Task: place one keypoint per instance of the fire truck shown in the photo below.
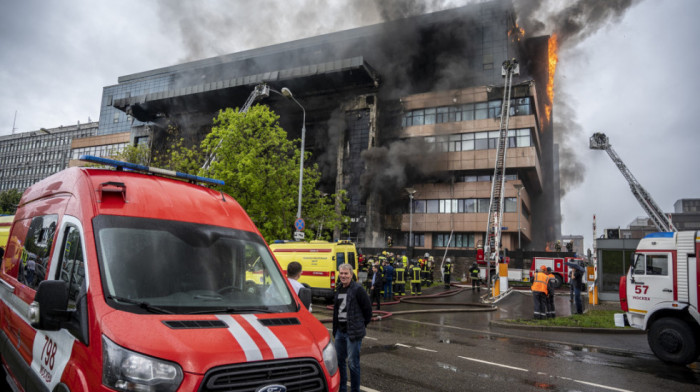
(660, 294)
(559, 267)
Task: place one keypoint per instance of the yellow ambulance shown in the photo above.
(319, 261)
(5, 224)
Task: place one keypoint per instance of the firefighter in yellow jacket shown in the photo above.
(415, 280)
(540, 288)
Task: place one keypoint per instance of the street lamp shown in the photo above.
(411, 192)
(287, 93)
(518, 209)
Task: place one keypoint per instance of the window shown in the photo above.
(495, 109)
(467, 141)
(443, 114)
(481, 111)
(510, 204)
(418, 239)
(419, 206)
(433, 206)
(455, 143)
(429, 116)
(657, 265)
(483, 205)
(72, 269)
(37, 247)
(481, 140)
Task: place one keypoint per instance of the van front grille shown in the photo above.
(297, 375)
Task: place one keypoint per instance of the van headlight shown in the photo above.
(330, 359)
(125, 370)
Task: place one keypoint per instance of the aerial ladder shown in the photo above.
(260, 91)
(662, 222)
(496, 203)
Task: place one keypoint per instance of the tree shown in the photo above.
(135, 154)
(9, 200)
(260, 168)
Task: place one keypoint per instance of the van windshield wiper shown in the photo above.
(141, 304)
(234, 310)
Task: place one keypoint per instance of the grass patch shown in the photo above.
(592, 319)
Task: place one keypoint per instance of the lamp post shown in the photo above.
(411, 192)
(287, 93)
(518, 209)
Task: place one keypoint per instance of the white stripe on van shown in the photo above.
(251, 350)
(277, 347)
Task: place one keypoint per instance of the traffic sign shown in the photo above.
(299, 224)
(298, 235)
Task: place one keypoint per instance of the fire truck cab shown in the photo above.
(660, 294)
(116, 280)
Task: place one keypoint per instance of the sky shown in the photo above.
(633, 78)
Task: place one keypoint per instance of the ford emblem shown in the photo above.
(272, 388)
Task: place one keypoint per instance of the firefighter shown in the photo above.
(539, 293)
(404, 261)
(415, 280)
(474, 274)
(557, 246)
(388, 281)
(550, 295)
(447, 270)
(400, 272)
(570, 246)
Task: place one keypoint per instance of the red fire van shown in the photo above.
(116, 280)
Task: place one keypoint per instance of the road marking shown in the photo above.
(425, 349)
(493, 363)
(402, 345)
(370, 338)
(601, 386)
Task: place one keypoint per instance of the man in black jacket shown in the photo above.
(351, 314)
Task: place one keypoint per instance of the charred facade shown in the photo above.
(407, 103)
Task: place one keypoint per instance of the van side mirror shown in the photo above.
(305, 296)
(50, 306)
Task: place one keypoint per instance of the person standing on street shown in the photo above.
(388, 282)
(351, 314)
(375, 288)
(474, 275)
(551, 313)
(293, 275)
(577, 282)
(447, 270)
(539, 293)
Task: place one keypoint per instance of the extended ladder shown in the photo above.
(493, 229)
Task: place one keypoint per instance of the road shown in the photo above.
(450, 351)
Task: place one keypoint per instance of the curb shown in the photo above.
(547, 328)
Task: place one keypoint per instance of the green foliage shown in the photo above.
(260, 167)
(135, 154)
(592, 319)
(9, 200)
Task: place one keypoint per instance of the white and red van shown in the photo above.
(116, 280)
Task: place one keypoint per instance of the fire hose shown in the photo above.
(378, 315)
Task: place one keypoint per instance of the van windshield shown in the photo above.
(150, 265)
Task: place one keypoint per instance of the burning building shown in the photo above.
(410, 103)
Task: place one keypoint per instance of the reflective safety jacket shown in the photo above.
(415, 274)
(448, 268)
(400, 275)
(540, 282)
(474, 272)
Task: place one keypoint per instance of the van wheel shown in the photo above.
(672, 340)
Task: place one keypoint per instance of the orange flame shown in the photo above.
(516, 33)
(553, 59)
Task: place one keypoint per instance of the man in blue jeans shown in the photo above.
(351, 314)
